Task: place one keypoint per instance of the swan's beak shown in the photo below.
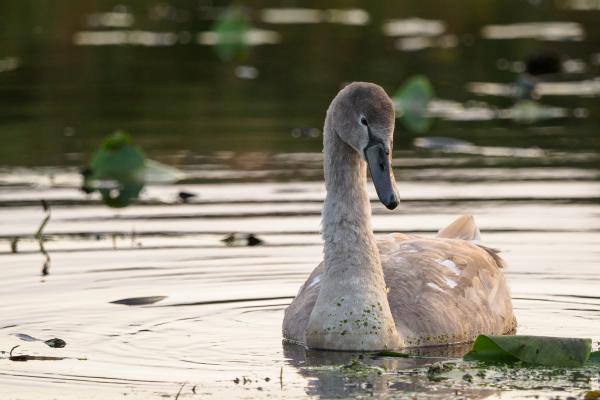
(380, 166)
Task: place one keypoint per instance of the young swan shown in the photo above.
(401, 291)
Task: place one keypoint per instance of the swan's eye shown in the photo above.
(363, 121)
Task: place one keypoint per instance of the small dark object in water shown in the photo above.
(86, 173)
(467, 378)
(236, 380)
(56, 343)
(253, 240)
(229, 240)
(26, 357)
(234, 239)
(13, 245)
(543, 63)
(139, 301)
(185, 196)
(46, 269)
(438, 368)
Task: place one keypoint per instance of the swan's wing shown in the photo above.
(463, 228)
(298, 312)
(445, 290)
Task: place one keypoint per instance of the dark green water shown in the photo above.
(181, 98)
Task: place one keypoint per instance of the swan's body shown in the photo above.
(399, 291)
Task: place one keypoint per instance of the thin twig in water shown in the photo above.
(180, 389)
(281, 377)
(13, 245)
(39, 235)
(11, 350)
(46, 207)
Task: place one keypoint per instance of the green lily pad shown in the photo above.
(117, 158)
(536, 350)
(594, 358)
(123, 194)
(119, 170)
(411, 102)
(231, 29)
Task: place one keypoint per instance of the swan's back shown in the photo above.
(445, 290)
(441, 290)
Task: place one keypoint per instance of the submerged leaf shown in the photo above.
(411, 101)
(537, 350)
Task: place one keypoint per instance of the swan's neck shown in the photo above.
(347, 231)
(352, 311)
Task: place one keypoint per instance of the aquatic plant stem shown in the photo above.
(39, 236)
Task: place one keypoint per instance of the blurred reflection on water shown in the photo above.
(188, 284)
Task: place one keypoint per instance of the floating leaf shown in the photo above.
(119, 170)
(411, 101)
(538, 350)
(594, 357)
(117, 158)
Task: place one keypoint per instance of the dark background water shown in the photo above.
(182, 100)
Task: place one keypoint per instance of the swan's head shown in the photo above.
(362, 115)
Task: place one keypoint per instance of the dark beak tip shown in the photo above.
(392, 204)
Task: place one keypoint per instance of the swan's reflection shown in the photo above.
(330, 376)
